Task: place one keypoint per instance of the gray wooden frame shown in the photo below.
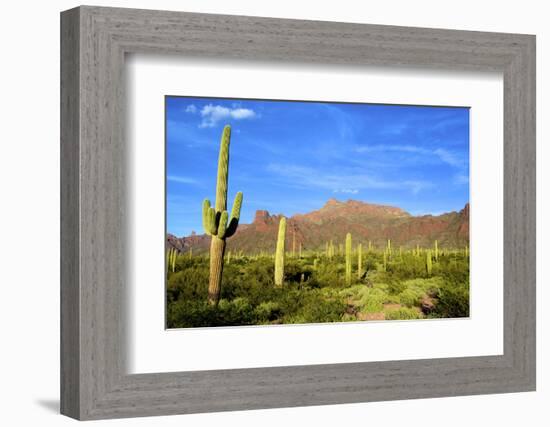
(94, 41)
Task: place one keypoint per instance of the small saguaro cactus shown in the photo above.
(359, 260)
(168, 259)
(280, 254)
(171, 260)
(436, 251)
(348, 258)
(293, 242)
(429, 262)
(217, 222)
(174, 257)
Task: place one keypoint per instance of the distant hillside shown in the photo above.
(364, 221)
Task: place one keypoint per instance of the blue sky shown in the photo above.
(291, 157)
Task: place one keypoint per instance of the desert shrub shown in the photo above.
(372, 300)
(190, 313)
(188, 283)
(410, 297)
(453, 300)
(330, 274)
(407, 267)
(367, 300)
(428, 286)
(395, 286)
(235, 312)
(402, 313)
(185, 314)
(267, 312)
(349, 318)
(317, 310)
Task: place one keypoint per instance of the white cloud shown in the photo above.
(181, 179)
(191, 109)
(212, 114)
(347, 190)
(301, 176)
(444, 156)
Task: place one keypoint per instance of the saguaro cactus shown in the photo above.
(359, 260)
(348, 259)
(171, 260)
(280, 254)
(429, 262)
(436, 251)
(217, 222)
(293, 242)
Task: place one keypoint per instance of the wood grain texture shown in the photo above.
(94, 382)
(70, 220)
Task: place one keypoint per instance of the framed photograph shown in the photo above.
(261, 213)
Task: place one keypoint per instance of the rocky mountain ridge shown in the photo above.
(365, 221)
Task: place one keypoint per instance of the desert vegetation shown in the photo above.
(318, 286)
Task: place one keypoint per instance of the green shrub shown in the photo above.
(453, 300)
(410, 297)
(267, 312)
(402, 313)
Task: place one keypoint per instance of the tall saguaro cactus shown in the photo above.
(217, 222)
(280, 254)
(436, 251)
(348, 259)
(359, 261)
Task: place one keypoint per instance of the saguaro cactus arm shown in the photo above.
(208, 218)
(235, 215)
(222, 227)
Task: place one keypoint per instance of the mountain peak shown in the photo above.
(350, 206)
(332, 202)
(261, 216)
